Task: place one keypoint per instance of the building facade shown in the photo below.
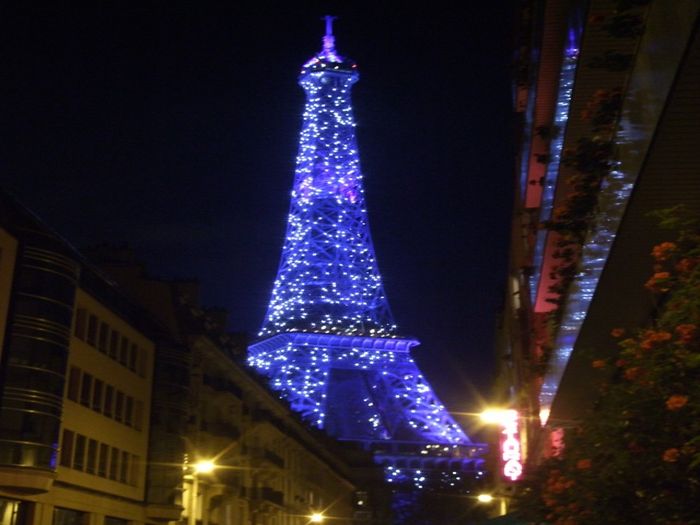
(269, 467)
(606, 99)
(76, 385)
(112, 395)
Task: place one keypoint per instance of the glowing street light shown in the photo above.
(317, 517)
(206, 466)
(490, 498)
(495, 415)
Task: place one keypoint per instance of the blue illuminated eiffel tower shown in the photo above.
(330, 345)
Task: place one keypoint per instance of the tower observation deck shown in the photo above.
(329, 344)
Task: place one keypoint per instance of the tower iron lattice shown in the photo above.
(329, 344)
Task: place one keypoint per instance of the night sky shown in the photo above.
(174, 129)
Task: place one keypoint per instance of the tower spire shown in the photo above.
(329, 40)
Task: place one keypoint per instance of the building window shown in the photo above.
(73, 384)
(79, 458)
(69, 517)
(97, 390)
(135, 466)
(67, 448)
(129, 411)
(13, 512)
(109, 400)
(109, 341)
(114, 344)
(80, 323)
(138, 414)
(92, 330)
(86, 390)
(91, 457)
(113, 463)
(133, 357)
(119, 406)
(109, 520)
(124, 470)
(104, 459)
(104, 336)
(123, 351)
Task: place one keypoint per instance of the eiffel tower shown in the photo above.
(329, 344)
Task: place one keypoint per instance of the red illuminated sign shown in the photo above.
(510, 446)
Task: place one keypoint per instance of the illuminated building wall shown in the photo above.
(75, 386)
(619, 87)
(330, 346)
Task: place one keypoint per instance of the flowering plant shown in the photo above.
(636, 458)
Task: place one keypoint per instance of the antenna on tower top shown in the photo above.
(329, 39)
(329, 24)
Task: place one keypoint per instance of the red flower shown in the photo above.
(583, 464)
(620, 363)
(659, 282)
(652, 337)
(685, 265)
(633, 373)
(663, 251)
(676, 402)
(686, 332)
(671, 455)
(617, 332)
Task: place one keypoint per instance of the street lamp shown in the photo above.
(495, 415)
(204, 467)
(488, 498)
(317, 517)
(201, 467)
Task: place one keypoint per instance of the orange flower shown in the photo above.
(663, 251)
(598, 363)
(583, 464)
(676, 402)
(617, 332)
(658, 282)
(671, 455)
(633, 373)
(686, 332)
(685, 265)
(652, 337)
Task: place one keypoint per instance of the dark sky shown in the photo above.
(175, 129)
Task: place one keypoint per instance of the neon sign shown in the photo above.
(510, 446)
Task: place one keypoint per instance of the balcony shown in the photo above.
(262, 456)
(263, 495)
(220, 429)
